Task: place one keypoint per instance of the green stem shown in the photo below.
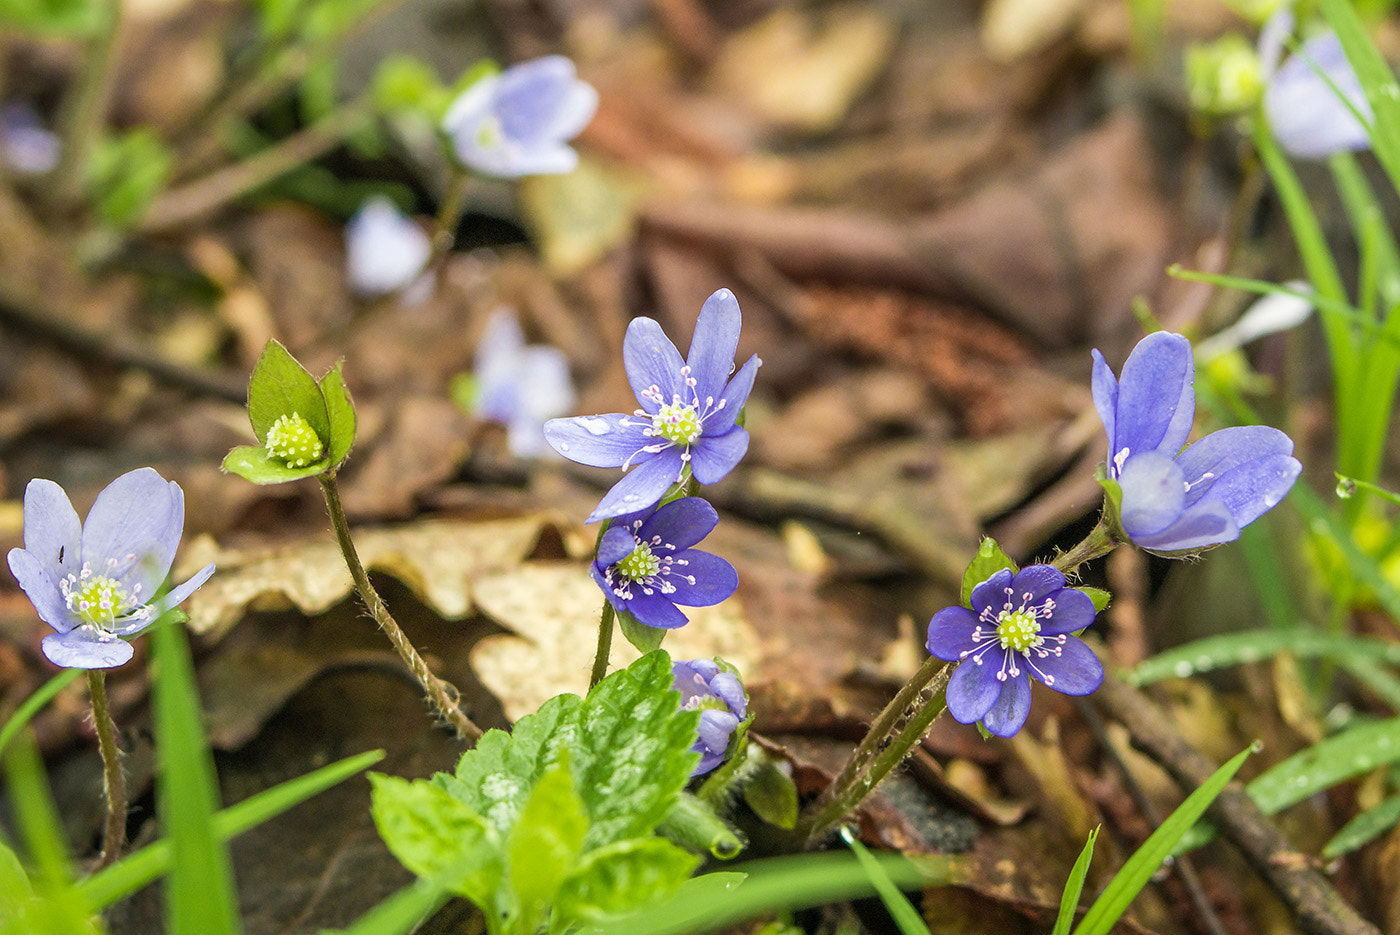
(206, 195)
(605, 635)
(441, 694)
(893, 734)
(454, 202)
(1100, 541)
(113, 782)
(86, 107)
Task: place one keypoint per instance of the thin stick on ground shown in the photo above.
(113, 782)
(442, 695)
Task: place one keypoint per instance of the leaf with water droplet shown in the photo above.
(1335, 760)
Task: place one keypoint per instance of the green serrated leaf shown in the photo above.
(495, 778)
(280, 386)
(438, 837)
(543, 847)
(633, 750)
(622, 877)
(989, 560)
(252, 463)
(1099, 596)
(340, 414)
(1364, 828)
(771, 793)
(646, 639)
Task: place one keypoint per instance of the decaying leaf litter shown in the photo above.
(929, 216)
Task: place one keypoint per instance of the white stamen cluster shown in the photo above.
(1016, 630)
(98, 599)
(676, 422)
(649, 567)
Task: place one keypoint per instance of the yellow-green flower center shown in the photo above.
(640, 564)
(1018, 630)
(98, 601)
(677, 422)
(293, 441)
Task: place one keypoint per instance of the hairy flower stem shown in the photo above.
(605, 635)
(113, 782)
(893, 734)
(1098, 543)
(441, 694)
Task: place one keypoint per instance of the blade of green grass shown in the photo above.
(1129, 881)
(400, 913)
(905, 916)
(1362, 567)
(142, 867)
(34, 704)
(775, 884)
(199, 897)
(1364, 828)
(1074, 886)
(1341, 757)
(58, 910)
(1232, 649)
(1377, 81)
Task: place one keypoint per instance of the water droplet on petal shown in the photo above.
(563, 446)
(595, 425)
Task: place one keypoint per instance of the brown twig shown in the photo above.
(118, 350)
(1318, 907)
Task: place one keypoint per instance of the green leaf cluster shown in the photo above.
(553, 826)
(281, 387)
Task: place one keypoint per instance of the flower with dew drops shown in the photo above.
(1310, 117)
(1019, 626)
(646, 566)
(719, 697)
(687, 415)
(95, 582)
(1176, 502)
(519, 122)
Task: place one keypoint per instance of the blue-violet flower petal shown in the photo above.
(96, 583)
(1019, 626)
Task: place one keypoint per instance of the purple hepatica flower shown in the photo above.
(519, 386)
(95, 582)
(720, 698)
(26, 145)
(646, 566)
(1178, 502)
(687, 415)
(1018, 627)
(519, 122)
(385, 251)
(1305, 113)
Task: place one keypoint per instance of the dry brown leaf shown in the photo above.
(800, 78)
(439, 560)
(554, 608)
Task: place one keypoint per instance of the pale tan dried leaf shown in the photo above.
(437, 559)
